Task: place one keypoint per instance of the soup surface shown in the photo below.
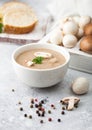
(33, 60)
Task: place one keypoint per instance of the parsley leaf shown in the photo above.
(1, 27)
(38, 60)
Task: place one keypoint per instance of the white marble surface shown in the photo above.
(10, 116)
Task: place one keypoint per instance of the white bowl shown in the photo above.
(44, 77)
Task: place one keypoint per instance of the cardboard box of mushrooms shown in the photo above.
(75, 34)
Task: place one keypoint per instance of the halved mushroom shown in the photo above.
(70, 101)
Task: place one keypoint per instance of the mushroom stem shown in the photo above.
(70, 104)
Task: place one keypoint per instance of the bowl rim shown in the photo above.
(32, 44)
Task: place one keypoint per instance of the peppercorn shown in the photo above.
(36, 105)
(19, 102)
(32, 101)
(41, 121)
(62, 112)
(49, 111)
(25, 115)
(39, 114)
(31, 106)
(63, 108)
(59, 120)
(37, 111)
(43, 114)
(49, 119)
(42, 101)
(42, 109)
(36, 100)
(40, 104)
(52, 105)
(39, 108)
(30, 116)
(13, 90)
(21, 108)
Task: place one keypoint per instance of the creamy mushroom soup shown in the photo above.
(40, 59)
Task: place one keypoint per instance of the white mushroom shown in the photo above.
(70, 101)
(53, 60)
(84, 20)
(69, 41)
(76, 19)
(29, 63)
(63, 21)
(80, 32)
(80, 85)
(43, 54)
(70, 27)
(56, 37)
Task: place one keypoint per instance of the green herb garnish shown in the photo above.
(38, 60)
(1, 27)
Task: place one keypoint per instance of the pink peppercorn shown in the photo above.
(49, 119)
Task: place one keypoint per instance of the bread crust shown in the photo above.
(19, 30)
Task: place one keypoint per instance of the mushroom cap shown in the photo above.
(70, 27)
(76, 19)
(66, 99)
(80, 85)
(56, 37)
(84, 20)
(86, 44)
(88, 29)
(80, 33)
(69, 41)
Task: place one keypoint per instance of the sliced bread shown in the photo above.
(19, 21)
(18, 18)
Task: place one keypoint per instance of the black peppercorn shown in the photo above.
(19, 102)
(39, 114)
(62, 112)
(42, 101)
(21, 108)
(25, 115)
(13, 90)
(32, 101)
(63, 108)
(41, 121)
(49, 111)
(30, 116)
(43, 114)
(31, 106)
(59, 120)
(36, 105)
(37, 111)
